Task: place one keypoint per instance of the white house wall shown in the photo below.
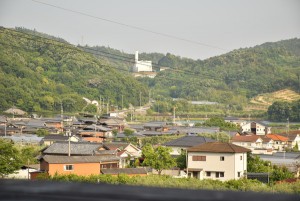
(230, 166)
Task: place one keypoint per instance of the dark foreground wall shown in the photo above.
(54, 191)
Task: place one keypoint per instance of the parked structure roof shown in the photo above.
(77, 148)
(188, 141)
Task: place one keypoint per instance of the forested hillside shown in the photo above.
(39, 73)
(232, 78)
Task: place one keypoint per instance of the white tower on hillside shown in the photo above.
(141, 66)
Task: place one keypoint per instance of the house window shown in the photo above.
(241, 157)
(68, 167)
(208, 174)
(222, 158)
(239, 174)
(199, 158)
(109, 165)
(219, 174)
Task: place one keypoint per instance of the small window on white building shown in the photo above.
(68, 167)
(239, 174)
(222, 158)
(219, 174)
(241, 157)
(208, 174)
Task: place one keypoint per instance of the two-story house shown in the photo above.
(217, 160)
(256, 128)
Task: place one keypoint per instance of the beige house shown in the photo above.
(217, 160)
(257, 144)
(293, 138)
(256, 128)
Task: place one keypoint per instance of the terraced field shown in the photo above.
(263, 101)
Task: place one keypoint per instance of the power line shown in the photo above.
(131, 26)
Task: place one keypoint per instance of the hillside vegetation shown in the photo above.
(231, 79)
(38, 74)
(263, 101)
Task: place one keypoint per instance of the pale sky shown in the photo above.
(208, 27)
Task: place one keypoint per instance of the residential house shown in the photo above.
(120, 146)
(52, 138)
(113, 123)
(293, 138)
(256, 128)
(181, 144)
(280, 142)
(156, 126)
(3, 121)
(79, 165)
(236, 121)
(217, 160)
(75, 148)
(56, 123)
(15, 111)
(24, 172)
(91, 132)
(126, 151)
(257, 144)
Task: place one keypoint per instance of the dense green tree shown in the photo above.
(220, 122)
(42, 132)
(9, 158)
(91, 108)
(284, 111)
(181, 160)
(158, 158)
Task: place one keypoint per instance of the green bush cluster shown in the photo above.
(184, 183)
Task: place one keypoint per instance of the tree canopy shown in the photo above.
(10, 160)
(158, 158)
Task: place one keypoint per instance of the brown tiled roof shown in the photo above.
(124, 171)
(79, 159)
(218, 147)
(245, 138)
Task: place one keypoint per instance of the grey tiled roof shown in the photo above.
(56, 137)
(25, 138)
(77, 148)
(79, 159)
(124, 171)
(188, 141)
